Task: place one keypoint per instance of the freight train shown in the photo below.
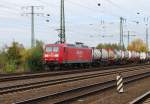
(65, 55)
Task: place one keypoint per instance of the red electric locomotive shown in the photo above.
(67, 54)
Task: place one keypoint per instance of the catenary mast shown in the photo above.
(62, 34)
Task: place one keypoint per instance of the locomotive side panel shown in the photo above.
(77, 55)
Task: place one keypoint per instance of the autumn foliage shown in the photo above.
(111, 46)
(16, 58)
(138, 45)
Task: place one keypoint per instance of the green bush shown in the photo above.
(34, 58)
(10, 67)
(3, 59)
(14, 52)
(18, 59)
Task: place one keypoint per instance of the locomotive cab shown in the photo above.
(51, 54)
(59, 55)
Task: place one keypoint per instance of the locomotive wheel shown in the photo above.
(46, 68)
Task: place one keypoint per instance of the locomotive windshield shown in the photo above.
(52, 49)
(55, 49)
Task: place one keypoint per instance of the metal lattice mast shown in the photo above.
(146, 20)
(147, 37)
(128, 36)
(121, 32)
(62, 23)
(32, 27)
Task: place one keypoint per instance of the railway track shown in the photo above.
(27, 86)
(11, 77)
(99, 85)
(143, 99)
(72, 94)
(147, 101)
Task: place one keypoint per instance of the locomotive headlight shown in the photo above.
(46, 55)
(56, 55)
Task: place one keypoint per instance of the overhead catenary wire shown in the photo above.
(9, 6)
(114, 4)
(8, 9)
(74, 3)
(48, 3)
(96, 10)
(86, 7)
(89, 8)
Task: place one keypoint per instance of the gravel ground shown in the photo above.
(132, 91)
(9, 98)
(17, 96)
(33, 80)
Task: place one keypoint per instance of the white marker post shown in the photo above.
(120, 83)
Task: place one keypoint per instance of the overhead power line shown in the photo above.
(32, 13)
(9, 7)
(93, 10)
(46, 3)
(84, 6)
(114, 4)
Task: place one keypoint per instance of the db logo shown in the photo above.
(79, 52)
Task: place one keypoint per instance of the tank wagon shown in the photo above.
(80, 55)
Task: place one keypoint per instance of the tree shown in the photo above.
(14, 52)
(138, 45)
(112, 46)
(11, 57)
(16, 58)
(34, 57)
(3, 59)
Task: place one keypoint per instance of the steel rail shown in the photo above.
(38, 75)
(67, 95)
(141, 98)
(28, 86)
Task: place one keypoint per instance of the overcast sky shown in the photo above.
(83, 20)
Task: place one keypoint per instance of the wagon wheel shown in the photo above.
(46, 68)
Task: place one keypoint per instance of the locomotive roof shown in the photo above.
(69, 45)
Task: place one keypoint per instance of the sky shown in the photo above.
(83, 20)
